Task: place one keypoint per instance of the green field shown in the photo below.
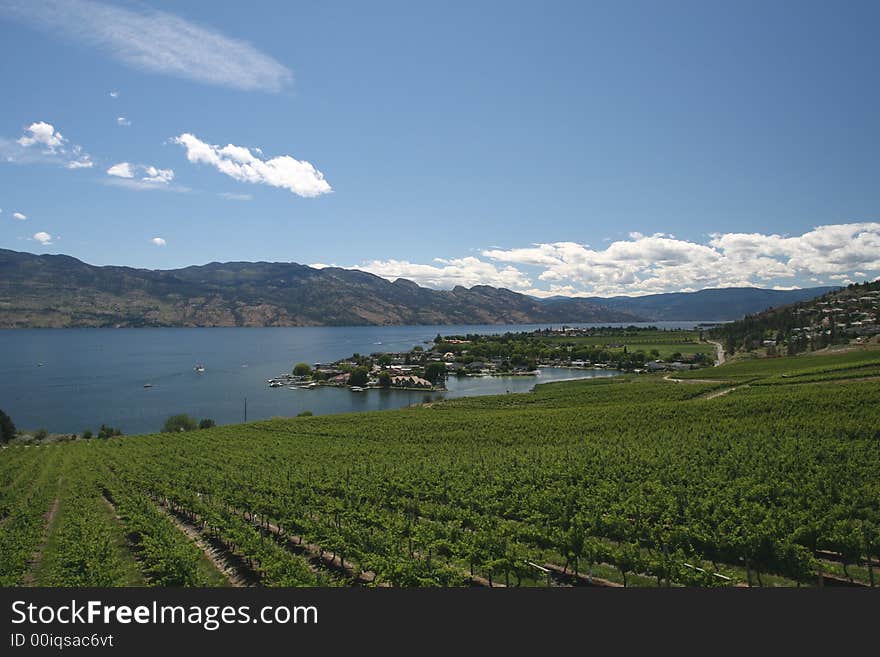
(847, 363)
(666, 342)
(636, 479)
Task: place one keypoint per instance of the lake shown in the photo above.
(69, 380)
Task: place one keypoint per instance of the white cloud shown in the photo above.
(154, 175)
(155, 41)
(42, 133)
(158, 241)
(121, 120)
(85, 163)
(447, 273)
(229, 196)
(19, 216)
(142, 177)
(43, 238)
(660, 263)
(41, 142)
(121, 170)
(648, 264)
(114, 94)
(238, 162)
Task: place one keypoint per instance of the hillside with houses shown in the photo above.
(840, 317)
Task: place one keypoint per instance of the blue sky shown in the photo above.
(552, 148)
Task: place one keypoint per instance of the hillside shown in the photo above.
(712, 304)
(833, 318)
(61, 291)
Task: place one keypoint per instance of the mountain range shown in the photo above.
(719, 304)
(61, 291)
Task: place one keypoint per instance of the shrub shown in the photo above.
(7, 428)
(108, 432)
(181, 422)
(305, 414)
(359, 377)
(206, 423)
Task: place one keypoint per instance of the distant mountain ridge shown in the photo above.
(714, 304)
(61, 291)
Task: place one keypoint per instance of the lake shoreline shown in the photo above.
(91, 377)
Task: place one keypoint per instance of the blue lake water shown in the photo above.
(94, 376)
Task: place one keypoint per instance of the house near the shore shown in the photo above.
(410, 382)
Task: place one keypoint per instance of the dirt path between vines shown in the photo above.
(327, 559)
(670, 378)
(216, 556)
(722, 392)
(37, 557)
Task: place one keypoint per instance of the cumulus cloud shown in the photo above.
(142, 177)
(42, 133)
(240, 163)
(154, 41)
(661, 263)
(19, 216)
(41, 142)
(229, 196)
(154, 175)
(447, 273)
(158, 241)
(121, 170)
(114, 94)
(649, 264)
(121, 120)
(43, 238)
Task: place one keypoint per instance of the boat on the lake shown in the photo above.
(148, 385)
(199, 368)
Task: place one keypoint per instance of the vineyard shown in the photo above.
(631, 481)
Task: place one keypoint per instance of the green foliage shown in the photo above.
(206, 423)
(305, 414)
(7, 428)
(87, 434)
(360, 376)
(384, 379)
(180, 422)
(41, 434)
(302, 369)
(435, 372)
(108, 432)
